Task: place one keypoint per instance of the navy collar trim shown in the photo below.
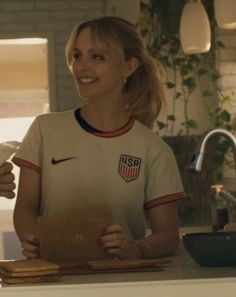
(88, 128)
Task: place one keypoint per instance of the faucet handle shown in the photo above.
(218, 188)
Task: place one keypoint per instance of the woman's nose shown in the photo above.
(83, 63)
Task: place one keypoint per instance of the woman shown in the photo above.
(7, 184)
(105, 151)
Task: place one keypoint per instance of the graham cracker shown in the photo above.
(28, 265)
(31, 280)
(127, 264)
(73, 236)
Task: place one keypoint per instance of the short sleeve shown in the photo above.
(163, 183)
(30, 152)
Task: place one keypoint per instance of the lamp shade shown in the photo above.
(195, 31)
(225, 13)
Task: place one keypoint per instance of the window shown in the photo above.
(23, 89)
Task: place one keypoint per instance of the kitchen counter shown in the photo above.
(183, 277)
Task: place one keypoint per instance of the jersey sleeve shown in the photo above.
(164, 183)
(30, 152)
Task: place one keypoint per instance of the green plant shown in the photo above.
(159, 27)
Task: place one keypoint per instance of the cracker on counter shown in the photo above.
(127, 264)
(7, 273)
(28, 265)
(31, 280)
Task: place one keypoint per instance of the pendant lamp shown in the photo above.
(225, 13)
(195, 31)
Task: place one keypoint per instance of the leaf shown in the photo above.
(144, 32)
(220, 44)
(190, 83)
(178, 94)
(225, 100)
(161, 125)
(184, 71)
(174, 50)
(178, 61)
(215, 76)
(165, 60)
(193, 59)
(201, 71)
(191, 124)
(163, 39)
(207, 93)
(219, 159)
(170, 85)
(225, 116)
(171, 117)
(188, 66)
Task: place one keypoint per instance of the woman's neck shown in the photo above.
(105, 118)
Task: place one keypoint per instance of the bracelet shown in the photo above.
(144, 248)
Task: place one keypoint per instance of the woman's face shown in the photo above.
(96, 73)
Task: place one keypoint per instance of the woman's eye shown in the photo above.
(98, 57)
(75, 55)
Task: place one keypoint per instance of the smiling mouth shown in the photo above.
(87, 80)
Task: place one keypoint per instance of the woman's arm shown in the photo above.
(163, 240)
(26, 211)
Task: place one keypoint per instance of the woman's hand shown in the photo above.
(30, 247)
(7, 184)
(116, 242)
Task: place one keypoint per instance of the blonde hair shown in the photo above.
(144, 88)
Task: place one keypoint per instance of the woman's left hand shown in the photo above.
(116, 242)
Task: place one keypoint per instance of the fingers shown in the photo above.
(7, 184)
(114, 240)
(6, 168)
(113, 229)
(30, 247)
(7, 194)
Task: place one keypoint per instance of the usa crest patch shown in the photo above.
(129, 167)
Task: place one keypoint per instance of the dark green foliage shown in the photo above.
(163, 42)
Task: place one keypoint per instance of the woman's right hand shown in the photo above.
(30, 247)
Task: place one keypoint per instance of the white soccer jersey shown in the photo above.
(128, 170)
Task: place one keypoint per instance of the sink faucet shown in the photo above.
(197, 167)
(198, 158)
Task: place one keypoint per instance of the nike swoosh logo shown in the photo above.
(54, 162)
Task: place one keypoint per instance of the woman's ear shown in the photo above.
(131, 66)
